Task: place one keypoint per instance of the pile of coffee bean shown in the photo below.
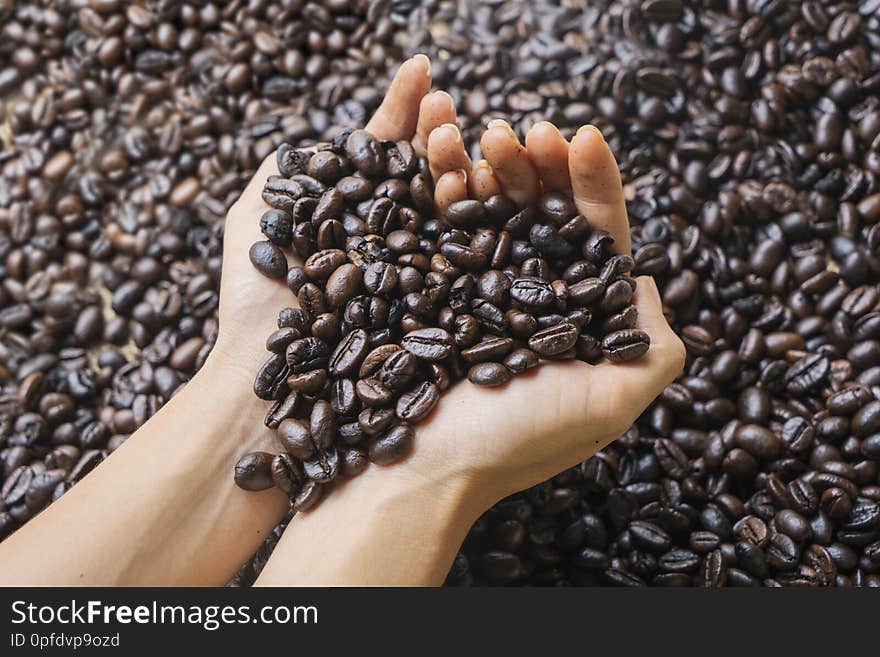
(396, 304)
(747, 135)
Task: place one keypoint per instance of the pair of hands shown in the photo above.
(549, 419)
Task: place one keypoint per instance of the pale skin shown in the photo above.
(163, 510)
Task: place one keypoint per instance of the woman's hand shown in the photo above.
(249, 302)
(502, 440)
(163, 508)
(403, 524)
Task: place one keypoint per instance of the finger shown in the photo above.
(435, 109)
(450, 187)
(482, 183)
(446, 151)
(510, 162)
(549, 153)
(595, 181)
(398, 115)
(643, 379)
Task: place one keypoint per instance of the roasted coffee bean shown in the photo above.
(349, 353)
(554, 340)
(365, 153)
(807, 374)
(489, 349)
(271, 381)
(286, 475)
(397, 369)
(489, 374)
(532, 292)
(649, 536)
(428, 344)
(277, 226)
(372, 392)
(268, 259)
(392, 446)
(307, 354)
(323, 466)
(625, 345)
(758, 441)
(463, 214)
(254, 471)
(416, 404)
(374, 421)
(520, 360)
(296, 438)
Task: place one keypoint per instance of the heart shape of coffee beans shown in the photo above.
(396, 304)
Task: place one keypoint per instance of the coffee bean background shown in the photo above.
(748, 134)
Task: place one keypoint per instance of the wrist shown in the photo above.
(385, 527)
(446, 504)
(221, 393)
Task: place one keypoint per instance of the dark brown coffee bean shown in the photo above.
(365, 153)
(490, 349)
(268, 259)
(254, 471)
(489, 374)
(286, 475)
(626, 345)
(415, 405)
(428, 344)
(521, 360)
(464, 214)
(349, 354)
(532, 292)
(554, 340)
(392, 446)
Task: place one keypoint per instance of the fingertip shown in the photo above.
(482, 182)
(424, 61)
(444, 95)
(417, 67)
(589, 150)
(497, 136)
(449, 188)
(441, 138)
(543, 130)
(591, 130)
(453, 131)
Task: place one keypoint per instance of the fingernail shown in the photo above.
(454, 130)
(499, 123)
(424, 59)
(483, 164)
(585, 128)
(547, 124)
(463, 174)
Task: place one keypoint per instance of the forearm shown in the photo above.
(162, 509)
(382, 528)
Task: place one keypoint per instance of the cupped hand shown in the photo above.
(249, 302)
(544, 421)
(556, 415)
